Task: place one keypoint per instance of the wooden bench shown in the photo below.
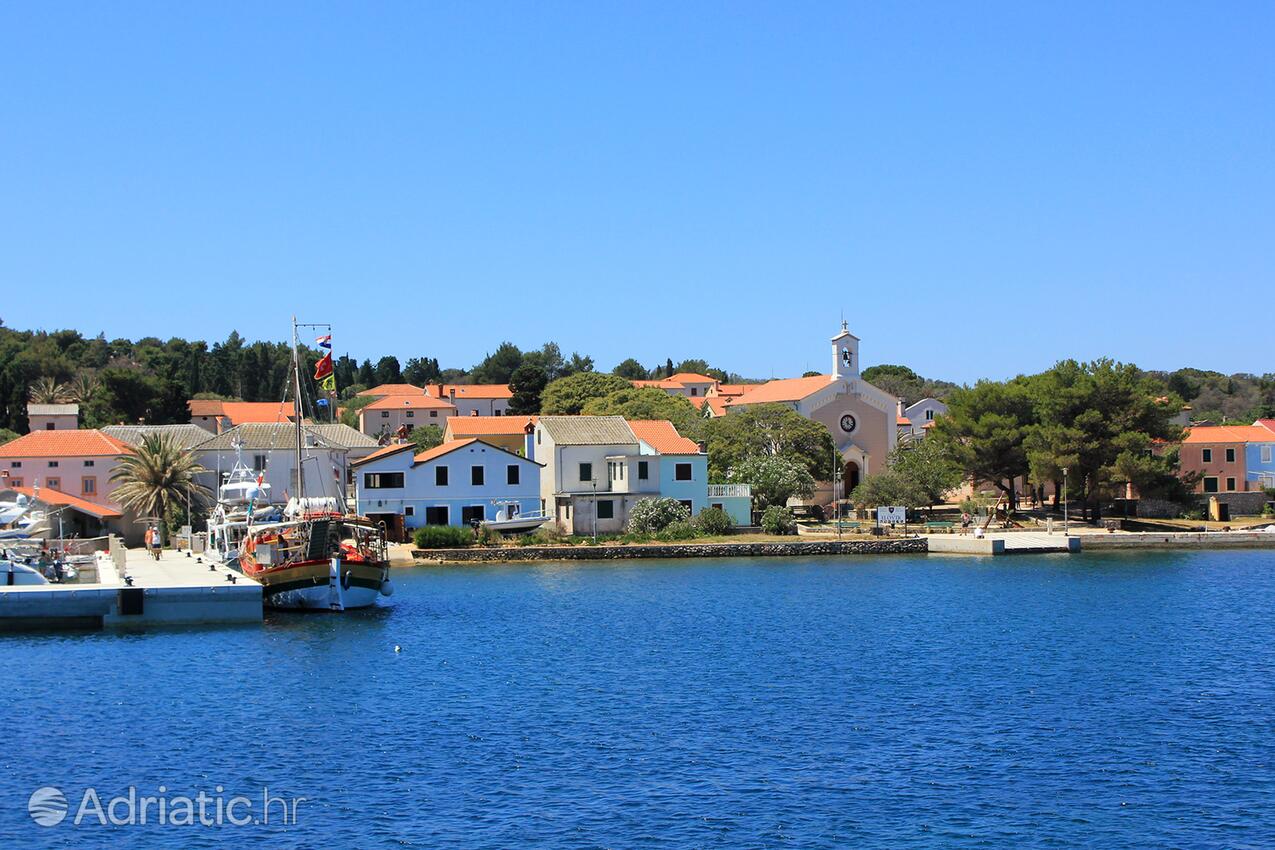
(940, 526)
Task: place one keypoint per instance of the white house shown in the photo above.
(328, 451)
(598, 467)
(473, 399)
(53, 417)
(385, 416)
(456, 483)
(920, 416)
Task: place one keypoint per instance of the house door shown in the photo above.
(850, 475)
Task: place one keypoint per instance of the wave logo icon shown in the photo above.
(47, 806)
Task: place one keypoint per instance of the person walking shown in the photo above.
(154, 542)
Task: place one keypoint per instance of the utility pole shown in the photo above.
(1065, 501)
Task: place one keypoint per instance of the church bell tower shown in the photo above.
(845, 355)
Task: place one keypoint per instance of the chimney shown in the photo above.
(900, 408)
(703, 447)
(529, 440)
(451, 392)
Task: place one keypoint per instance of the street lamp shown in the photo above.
(594, 482)
(1065, 501)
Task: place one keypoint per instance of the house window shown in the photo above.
(586, 472)
(385, 414)
(1230, 484)
(929, 416)
(1266, 454)
(433, 414)
(436, 516)
(471, 514)
(88, 463)
(89, 486)
(408, 510)
(440, 477)
(53, 483)
(1206, 455)
(476, 476)
(512, 473)
(642, 470)
(411, 414)
(689, 507)
(382, 480)
(48, 426)
(606, 509)
(1230, 455)
(53, 464)
(15, 482)
(258, 463)
(694, 391)
(1210, 485)
(682, 472)
(17, 464)
(410, 427)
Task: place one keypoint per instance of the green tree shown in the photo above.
(350, 410)
(929, 468)
(527, 383)
(647, 403)
(631, 369)
(156, 476)
(387, 371)
(499, 366)
(887, 488)
(426, 437)
(421, 371)
(8, 436)
(983, 432)
(569, 395)
(767, 429)
(367, 375)
(774, 479)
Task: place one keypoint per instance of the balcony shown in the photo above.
(727, 491)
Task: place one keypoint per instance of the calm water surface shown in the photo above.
(1099, 701)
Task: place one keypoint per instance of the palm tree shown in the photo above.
(83, 386)
(47, 391)
(155, 475)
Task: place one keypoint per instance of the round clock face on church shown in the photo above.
(848, 424)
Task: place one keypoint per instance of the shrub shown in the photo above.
(714, 521)
(442, 537)
(488, 536)
(778, 520)
(674, 531)
(652, 515)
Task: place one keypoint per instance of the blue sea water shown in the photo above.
(1105, 701)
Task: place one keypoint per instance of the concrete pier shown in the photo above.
(175, 590)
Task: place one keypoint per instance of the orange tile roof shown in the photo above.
(692, 378)
(1229, 434)
(783, 389)
(473, 426)
(384, 451)
(471, 390)
(57, 497)
(205, 406)
(81, 443)
(394, 389)
(732, 389)
(445, 448)
(256, 412)
(410, 402)
(660, 435)
(715, 403)
(903, 420)
(1268, 424)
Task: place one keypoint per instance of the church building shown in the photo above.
(861, 418)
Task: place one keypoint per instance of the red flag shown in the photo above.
(323, 368)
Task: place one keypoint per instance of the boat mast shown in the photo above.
(296, 410)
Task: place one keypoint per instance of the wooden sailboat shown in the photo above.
(320, 556)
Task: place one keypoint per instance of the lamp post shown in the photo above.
(1065, 526)
(594, 482)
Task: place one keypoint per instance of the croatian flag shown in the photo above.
(325, 341)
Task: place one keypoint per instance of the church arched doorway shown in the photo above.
(850, 475)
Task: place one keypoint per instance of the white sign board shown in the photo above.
(892, 515)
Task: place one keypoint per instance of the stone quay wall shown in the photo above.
(910, 545)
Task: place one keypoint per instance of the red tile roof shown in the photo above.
(394, 389)
(57, 497)
(783, 389)
(1268, 424)
(660, 435)
(81, 443)
(475, 426)
(732, 389)
(903, 420)
(1229, 434)
(470, 390)
(384, 451)
(242, 412)
(716, 403)
(410, 402)
(692, 378)
(445, 448)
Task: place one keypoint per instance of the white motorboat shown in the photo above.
(19, 519)
(243, 500)
(510, 520)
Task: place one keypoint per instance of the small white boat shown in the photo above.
(509, 519)
(15, 574)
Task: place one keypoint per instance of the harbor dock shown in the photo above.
(132, 589)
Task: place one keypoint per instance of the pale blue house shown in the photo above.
(457, 483)
(1259, 453)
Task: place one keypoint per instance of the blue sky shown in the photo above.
(980, 188)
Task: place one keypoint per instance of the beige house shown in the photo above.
(53, 417)
(862, 418)
(384, 417)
